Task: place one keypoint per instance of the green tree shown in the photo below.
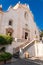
(5, 39)
(41, 35)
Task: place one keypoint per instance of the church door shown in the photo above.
(26, 35)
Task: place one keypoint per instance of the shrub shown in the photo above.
(5, 56)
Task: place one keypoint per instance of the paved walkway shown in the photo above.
(38, 60)
(29, 61)
(22, 62)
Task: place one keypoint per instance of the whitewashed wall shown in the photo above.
(39, 49)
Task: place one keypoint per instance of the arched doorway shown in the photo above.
(26, 35)
(9, 31)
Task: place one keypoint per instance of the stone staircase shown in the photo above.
(24, 45)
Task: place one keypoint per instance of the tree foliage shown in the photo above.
(41, 35)
(5, 56)
(5, 39)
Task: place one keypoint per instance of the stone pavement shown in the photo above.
(22, 62)
(38, 60)
(29, 61)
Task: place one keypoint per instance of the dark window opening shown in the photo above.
(26, 35)
(10, 22)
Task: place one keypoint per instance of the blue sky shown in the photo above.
(36, 6)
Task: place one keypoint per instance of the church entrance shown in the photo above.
(26, 35)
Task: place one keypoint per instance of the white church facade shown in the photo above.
(19, 23)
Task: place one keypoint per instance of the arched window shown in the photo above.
(26, 15)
